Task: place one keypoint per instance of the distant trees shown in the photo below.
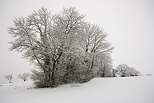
(9, 77)
(24, 76)
(63, 46)
(125, 71)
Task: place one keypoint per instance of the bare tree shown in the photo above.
(96, 48)
(9, 77)
(24, 76)
(44, 38)
(59, 45)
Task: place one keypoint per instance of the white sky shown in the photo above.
(130, 24)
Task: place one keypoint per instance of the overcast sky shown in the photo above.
(130, 24)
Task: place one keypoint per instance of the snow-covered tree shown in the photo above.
(96, 48)
(24, 76)
(64, 47)
(9, 77)
(124, 70)
(114, 72)
(104, 62)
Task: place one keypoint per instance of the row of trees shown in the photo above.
(121, 70)
(64, 47)
(23, 76)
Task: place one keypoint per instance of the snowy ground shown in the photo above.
(98, 90)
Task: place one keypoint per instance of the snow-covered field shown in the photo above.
(98, 90)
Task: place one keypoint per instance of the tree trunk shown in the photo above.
(52, 80)
(103, 75)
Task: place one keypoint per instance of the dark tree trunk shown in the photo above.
(52, 80)
(103, 75)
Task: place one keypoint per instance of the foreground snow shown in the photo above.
(98, 90)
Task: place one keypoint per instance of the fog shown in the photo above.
(129, 23)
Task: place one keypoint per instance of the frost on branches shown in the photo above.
(64, 47)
